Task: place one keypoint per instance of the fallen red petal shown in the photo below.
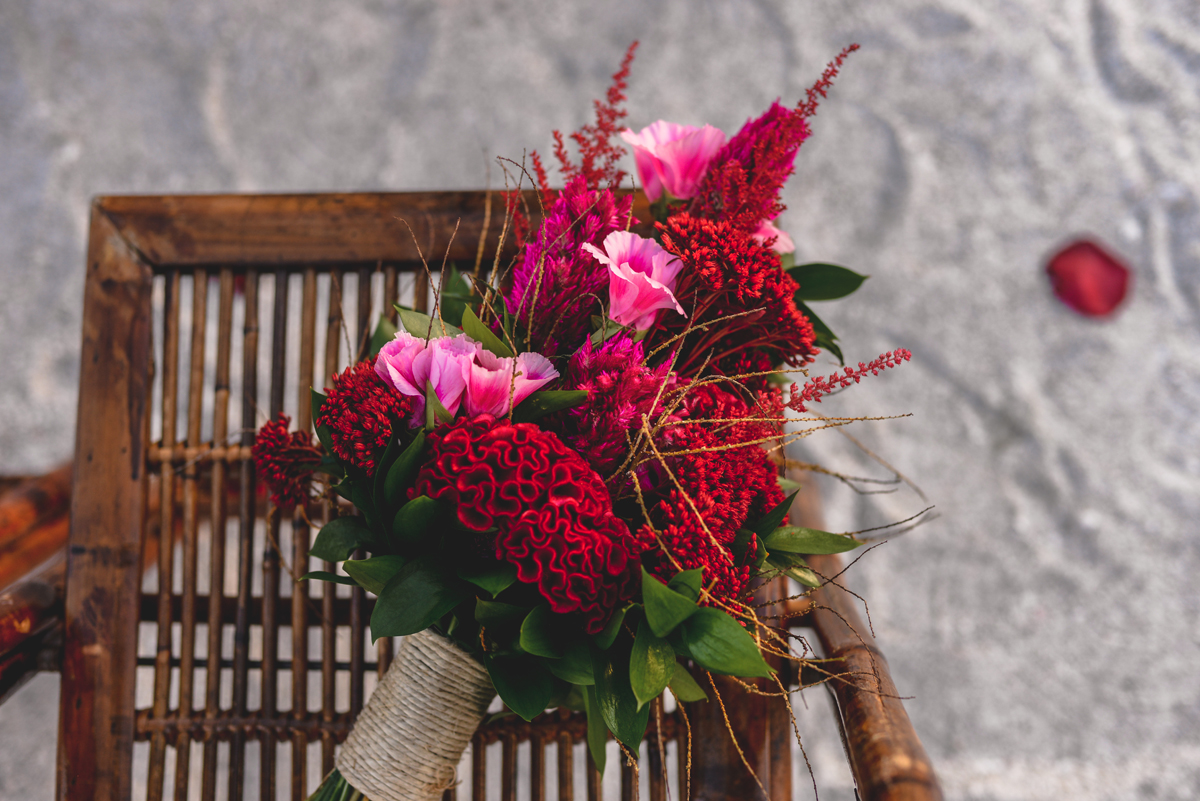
(1087, 278)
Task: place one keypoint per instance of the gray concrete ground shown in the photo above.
(1046, 624)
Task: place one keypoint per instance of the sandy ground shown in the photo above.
(1045, 625)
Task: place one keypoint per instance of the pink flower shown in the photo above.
(410, 363)
(491, 385)
(767, 230)
(641, 278)
(673, 157)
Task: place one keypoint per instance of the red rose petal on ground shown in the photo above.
(1088, 278)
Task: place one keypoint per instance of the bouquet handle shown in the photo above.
(410, 736)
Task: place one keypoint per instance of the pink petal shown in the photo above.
(1088, 279)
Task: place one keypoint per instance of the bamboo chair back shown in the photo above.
(194, 665)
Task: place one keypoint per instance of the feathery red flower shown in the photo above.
(553, 513)
(361, 413)
(285, 461)
(816, 388)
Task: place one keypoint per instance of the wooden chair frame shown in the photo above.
(273, 237)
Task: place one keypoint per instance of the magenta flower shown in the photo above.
(641, 278)
(767, 230)
(410, 363)
(673, 157)
(491, 384)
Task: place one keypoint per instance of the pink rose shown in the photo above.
(673, 157)
(641, 277)
(491, 384)
(767, 230)
(409, 364)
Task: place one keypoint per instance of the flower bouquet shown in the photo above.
(567, 476)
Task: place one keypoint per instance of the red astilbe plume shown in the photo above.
(558, 285)
(285, 461)
(553, 513)
(360, 413)
(725, 273)
(816, 388)
(731, 486)
(621, 388)
(598, 154)
(746, 177)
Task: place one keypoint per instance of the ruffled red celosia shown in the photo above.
(285, 461)
(553, 513)
(361, 413)
(725, 273)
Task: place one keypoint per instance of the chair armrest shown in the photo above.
(31, 617)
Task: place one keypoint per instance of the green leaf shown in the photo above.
(684, 686)
(540, 404)
(826, 339)
(774, 518)
(338, 538)
(412, 523)
(434, 410)
(385, 332)
(792, 565)
(373, 574)
(325, 575)
(415, 598)
(741, 546)
(539, 634)
(787, 261)
(787, 485)
(665, 608)
(688, 582)
(422, 325)
(495, 613)
(316, 401)
(795, 539)
(625, 717)
(476, 330)
(379, 482)
(651, 663)
(402, 472)
(575, 665)
(597, 730)
(495, 577)
(719, 643)
(523, 683)
(825, 281)
(605, 638)
(358, 492)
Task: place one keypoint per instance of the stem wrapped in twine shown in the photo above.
(410, 736)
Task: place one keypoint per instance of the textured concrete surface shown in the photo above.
(1045, 625)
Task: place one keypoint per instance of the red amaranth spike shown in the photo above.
(1088, 278)
(816, 388)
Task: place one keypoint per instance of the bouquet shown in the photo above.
(567, 477)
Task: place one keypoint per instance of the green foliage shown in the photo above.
(795, 539)
(792, 565)
(575, 665)
(373, 574)
(605, 638)
(540, 404)
(476, 330)
(651, 664)
(416, 597)
(493, 577)
(522, 682)
(497, 614)
(825, 338)
(412, 523)
(684, 686)
(325, 575)
(339, 538)
(385, 332)
(539, 634)
(435, 412)
(719, 643)
(619, 707)
(825, 281)
(774, 518)
(403, 471)
(688, 582)
(665, 608)
(422, 325)
(597, 730)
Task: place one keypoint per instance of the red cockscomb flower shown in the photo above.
(553, 512)
(285, 461)
(360, 413)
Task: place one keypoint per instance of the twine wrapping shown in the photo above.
(410, 736)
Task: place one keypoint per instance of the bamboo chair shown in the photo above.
(188, 653)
